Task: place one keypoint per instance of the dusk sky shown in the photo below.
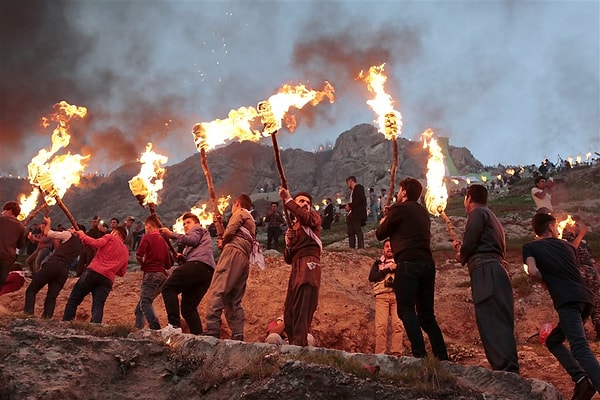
(513, 81)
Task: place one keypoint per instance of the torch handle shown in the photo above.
(152, 208)
(67, 212)
(211, 192)
(449, 225)
(393, 170)
(34, 213)
(281, 174)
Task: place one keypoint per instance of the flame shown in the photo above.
(149, 181)
(28, 203)
(56, 174)
(208, 135)
(570, 160)
(588, 155)
(569, 221)
(388, 119)
(275, 108)
(436, 196)
(238, 124)
(206, 217)
(578, 159)
(510, 171)
(223, 203)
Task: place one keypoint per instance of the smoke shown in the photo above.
(485, 75)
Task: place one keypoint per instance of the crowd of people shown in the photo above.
(403, 277)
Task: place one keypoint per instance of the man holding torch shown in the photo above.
(482, 250)
(55, 269)
(228, 284)
(408, 226)
(303, 249)
(192, 278)
(553, 262)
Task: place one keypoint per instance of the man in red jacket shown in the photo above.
(154, 258)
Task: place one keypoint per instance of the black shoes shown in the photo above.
(584, 390)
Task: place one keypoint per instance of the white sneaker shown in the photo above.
(170, 330)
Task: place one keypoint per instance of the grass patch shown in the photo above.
(425, 378)
(428, 378)
(119, 330)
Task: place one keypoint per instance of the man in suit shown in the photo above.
(356, 215)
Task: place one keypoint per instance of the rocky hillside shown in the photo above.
(246, 167)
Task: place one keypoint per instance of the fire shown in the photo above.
(274, 109)
(56, 174)
(569, 221)
(510, 171)
(588, 155)
(223, 203)
(388, 119)
(436, 196)
(238, 124)
(149, 181)
(28, 203)
(206, 217)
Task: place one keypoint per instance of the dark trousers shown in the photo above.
(5, 268)
(414, 285)
(273, 237)
(580, 361)
(355, 234)
(302, 298)
(494, 314)
(89, 282)
(192, 280)
(54, 274)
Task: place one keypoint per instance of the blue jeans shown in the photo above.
(415, 288)
(144, 311)
(580, 360)
(89, 282)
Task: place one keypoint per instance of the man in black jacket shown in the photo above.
(408, 226)
(356, 215)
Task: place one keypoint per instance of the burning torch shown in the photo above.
(271, 127)
(148, 182)
(389, 120)
(436, 196)
(201, 144)
(48, 188)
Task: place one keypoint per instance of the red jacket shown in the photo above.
(111, 256)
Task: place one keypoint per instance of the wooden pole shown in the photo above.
(271, 127)
(67, 212)
(391, 127)
(211, 193)
(33, 214)
(393, 170)
(152, 208)
(449, 225)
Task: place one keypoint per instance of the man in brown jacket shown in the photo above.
(303, 251)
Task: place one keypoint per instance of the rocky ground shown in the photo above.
(56, 360)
